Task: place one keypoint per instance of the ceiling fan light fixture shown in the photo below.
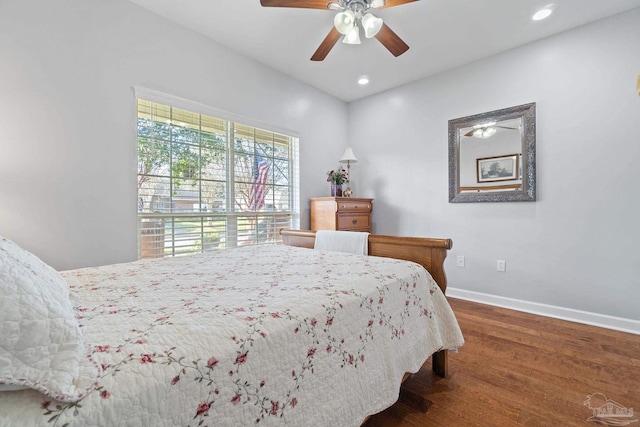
(484, 132)
(353, 36)
(371, 24)
(344, 21)
(347, 13)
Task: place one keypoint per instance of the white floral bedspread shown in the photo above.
(258, 335)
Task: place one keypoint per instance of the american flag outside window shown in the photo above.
(258, 190)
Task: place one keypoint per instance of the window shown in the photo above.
(206, 183)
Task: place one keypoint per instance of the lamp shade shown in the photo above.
(348, 156)
(353, 37)
(344, 21)
(371, 25)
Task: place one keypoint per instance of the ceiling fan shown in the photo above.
(346, 22)
(485, 130)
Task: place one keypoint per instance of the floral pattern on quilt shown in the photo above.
(257, 335)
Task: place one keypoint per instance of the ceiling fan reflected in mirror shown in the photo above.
(350, 13)
(485, 130)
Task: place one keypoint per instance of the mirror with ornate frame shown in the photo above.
(492, 156)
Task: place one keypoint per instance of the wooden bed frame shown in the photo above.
(430, 253)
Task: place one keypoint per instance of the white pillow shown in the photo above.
(41, 344)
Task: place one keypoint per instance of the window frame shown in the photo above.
(233, 235)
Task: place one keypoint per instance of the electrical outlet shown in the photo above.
(460, 261)
(502, 265)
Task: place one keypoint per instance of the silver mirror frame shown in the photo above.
(527, 113)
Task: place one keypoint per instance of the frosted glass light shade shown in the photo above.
(489, 132)
(353, 37)
(344, 21)
(371, 25)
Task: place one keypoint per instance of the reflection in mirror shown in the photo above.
(492, 156)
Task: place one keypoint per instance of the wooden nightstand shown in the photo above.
(341, 213)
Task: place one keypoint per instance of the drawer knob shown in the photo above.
(354, 221)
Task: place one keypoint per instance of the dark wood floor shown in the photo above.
(519, 369)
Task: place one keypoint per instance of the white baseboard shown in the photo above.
(594, 319)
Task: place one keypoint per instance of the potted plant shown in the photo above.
(336, 177)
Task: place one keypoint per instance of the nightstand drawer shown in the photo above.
(354, 221)
(354, 206)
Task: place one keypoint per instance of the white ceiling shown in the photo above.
(442, 34)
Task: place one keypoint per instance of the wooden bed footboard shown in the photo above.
(430, 253)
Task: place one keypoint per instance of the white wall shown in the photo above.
(577, 246)
(67, 118)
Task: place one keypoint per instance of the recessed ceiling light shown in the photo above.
(543, 13)
(363, 80)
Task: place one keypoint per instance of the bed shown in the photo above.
(271, 335)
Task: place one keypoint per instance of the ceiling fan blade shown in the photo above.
(504, 127)
(307, 4)
(391, 41)
(326, 45)
(391, 3)
(470, 133)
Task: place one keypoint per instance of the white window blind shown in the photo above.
(207, 183)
